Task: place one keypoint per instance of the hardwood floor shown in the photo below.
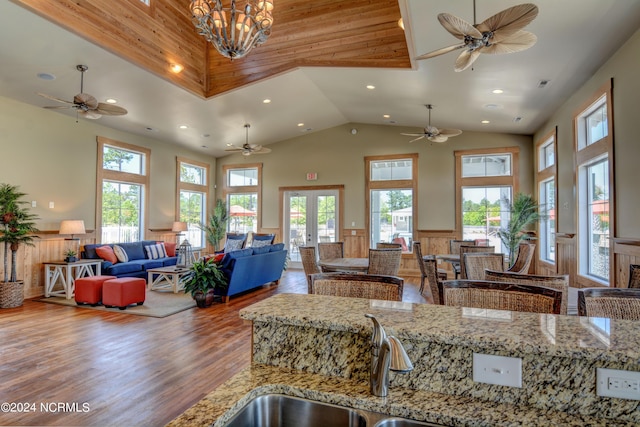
(120, 369)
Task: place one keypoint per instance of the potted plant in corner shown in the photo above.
(524, 212)
(18, 227)
(216, 228)
(202, 280)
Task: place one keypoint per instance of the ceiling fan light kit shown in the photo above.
(432, 133)
(501, 33)
(248, 149)
(232, 31)
(86, 105)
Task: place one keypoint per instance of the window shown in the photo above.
(193, 193)
(546, 181)
(485, 184)
(391, 185)
(123, 181)
(595, 189)
(242, 193)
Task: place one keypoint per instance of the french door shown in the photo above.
(310, 216)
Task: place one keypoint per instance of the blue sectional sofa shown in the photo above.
(250, 268)
(138, 263)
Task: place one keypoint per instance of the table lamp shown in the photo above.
(178, 227)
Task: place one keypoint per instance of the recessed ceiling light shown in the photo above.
(485, 122)
(300, 125)
(386, 116)
(183, 127)
(371, 87)
(401, 23)
(176, 68)
(497, 91)
(46, 76)
(266, 101)
(111, 101)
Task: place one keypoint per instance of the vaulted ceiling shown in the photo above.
(314, 67)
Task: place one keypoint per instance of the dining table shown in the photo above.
(358, 265)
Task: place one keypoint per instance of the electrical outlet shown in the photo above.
(499, 370)
(617, 383)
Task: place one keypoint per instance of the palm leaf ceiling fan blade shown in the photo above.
(511, 20)
(458, 27)
(437, 138)
(520, 41)
(465, 59)
(110, 110)
(450, 132)
(53, 98)
(441, 51)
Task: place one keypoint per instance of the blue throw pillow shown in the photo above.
(261, 249)
(277, 247)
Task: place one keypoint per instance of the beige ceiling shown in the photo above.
(314, 68)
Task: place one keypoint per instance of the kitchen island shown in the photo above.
(318, 347)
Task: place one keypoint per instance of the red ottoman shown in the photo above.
(123, 291)
(89, 289)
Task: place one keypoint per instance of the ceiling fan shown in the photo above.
(86, 105)
(248, 149)
(501, 33)
(432, 133)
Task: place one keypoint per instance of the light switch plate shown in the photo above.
(499, 370)
(618, 383)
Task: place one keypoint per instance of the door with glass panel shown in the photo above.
(310, 217)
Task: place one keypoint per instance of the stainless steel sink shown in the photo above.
(277, 410)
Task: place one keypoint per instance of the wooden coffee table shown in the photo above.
(166, 278)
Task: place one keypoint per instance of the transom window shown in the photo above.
(547, 154)
(242, 177)
(486, 165)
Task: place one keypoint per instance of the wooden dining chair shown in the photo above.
(559, 282)
(500, 296)
(476, 263)
(385, 261)
(465, 249)
(613, 303)
(309, 263)
(429, 271)
(524, 258)
(454, 248)
(353, 285)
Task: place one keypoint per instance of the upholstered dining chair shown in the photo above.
(466, 249)
(385, 261)
(387, 245)
(309, 263)
(454, 248)
(634, 276)
(476, 263)
(429, 271)
(500, 296)
(524, 258)
(614, 303)
(358, 286)
(559, 282)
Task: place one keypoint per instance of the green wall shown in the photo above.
(53, 159)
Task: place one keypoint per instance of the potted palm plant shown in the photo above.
(203, 279)
(216, 228)
(18, 227)
(524, 212)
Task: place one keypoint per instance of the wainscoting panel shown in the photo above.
(566, 256)
(625, 252)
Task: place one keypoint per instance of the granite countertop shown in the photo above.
(420, 405)
(606, 340)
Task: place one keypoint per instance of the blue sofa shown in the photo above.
(138, 263)
(250, 268)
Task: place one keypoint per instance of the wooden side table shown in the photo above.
(65, 273)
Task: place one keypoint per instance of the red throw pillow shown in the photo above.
(107, 254)
(170, 248)
(218, 257)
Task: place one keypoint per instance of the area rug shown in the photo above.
(156, 304)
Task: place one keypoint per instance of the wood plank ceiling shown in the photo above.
(355, 33)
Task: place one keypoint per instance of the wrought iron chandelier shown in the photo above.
(233, 32)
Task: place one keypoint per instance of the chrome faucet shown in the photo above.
(387, 353)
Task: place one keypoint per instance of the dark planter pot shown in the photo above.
(204, 300)
(70, 259)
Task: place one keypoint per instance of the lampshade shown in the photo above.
(179, 226)
(72, 226)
